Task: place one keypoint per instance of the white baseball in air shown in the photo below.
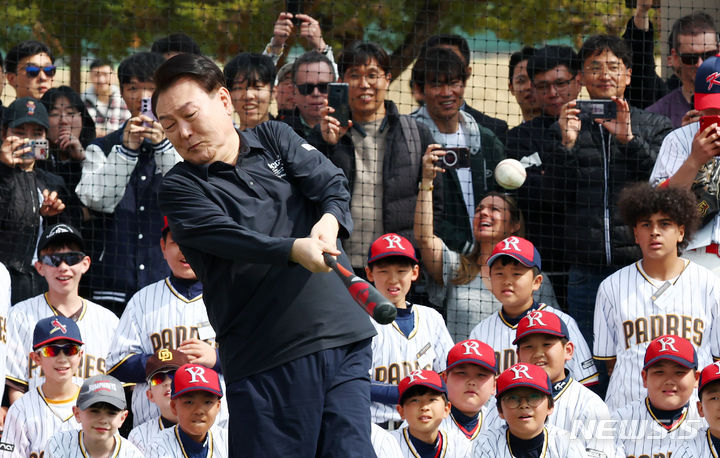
(510, 174)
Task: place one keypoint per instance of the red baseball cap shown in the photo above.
(671, 348)
(391, 245)
(430, 379)
(711, 373)
(472, 351)
(193, 377)
(523, 375)
(519, 248)
(540, 322)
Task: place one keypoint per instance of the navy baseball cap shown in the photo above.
(26, 110)
(55, 328)
(59, 232)
(707, 84)
(518, 248)
(391, 245)
(102, 388)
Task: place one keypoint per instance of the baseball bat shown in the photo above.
(366, 295)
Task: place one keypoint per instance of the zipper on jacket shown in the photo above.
(606, 198)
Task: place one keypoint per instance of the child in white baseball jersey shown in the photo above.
(524, 401)
(196, 394)
(707, 441)
(417, 339)
(514, 276)
(37, 415)
(666, 418)
(660, 294)
(62, 262)
(543, 339)
(384, 443)
(166, 314)
(470, 379)
(101, 409)
(159, 370)
(4, 310)
(423, 404)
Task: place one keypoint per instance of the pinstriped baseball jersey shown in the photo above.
(582, 413)
(627, 319)
(700, 447)
(384, 443)
(167, 444)
(33, 419)
(69, 444)
(451, 425)
(494, 443)
(395, 355)
(96, 323)
(158, 317)
(640, 433)
(4, 310)
(141, 436)
(674, 151)
(499, 334)
(450, 445)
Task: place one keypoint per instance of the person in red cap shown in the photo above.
(423, 404)
(470, 379)
(690, 152)
(514, 276)
(196, 394)
(543, 339)
(525, 401)
(665, 418)
(662, 293)
(417, 339)
(707, 441)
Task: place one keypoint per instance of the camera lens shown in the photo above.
(450, 158)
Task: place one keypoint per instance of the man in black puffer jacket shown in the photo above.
(380, 154)
(595, 159)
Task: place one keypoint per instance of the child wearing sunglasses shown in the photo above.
(159, 373)
(62, 262)
(36, 416)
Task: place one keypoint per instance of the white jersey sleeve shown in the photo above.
(674, 151)
(605, 339)
(385, 445)
(4, 310)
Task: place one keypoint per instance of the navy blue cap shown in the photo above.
(55, 328)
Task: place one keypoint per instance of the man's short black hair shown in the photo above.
(250, 67)
(518, 56)
(361, 53)
(596, 44)
(22, 50)
(553, 56)
(642, 200)
(141, 65)
(438, 65)
(100, 62)
(176, 42)
(447, 39)
(692, 24)
(197, 67)
(310, 57)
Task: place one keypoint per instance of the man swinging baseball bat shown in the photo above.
(253, 213)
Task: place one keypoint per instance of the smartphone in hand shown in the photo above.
(146, 110)
(338, 99)
(597, 108)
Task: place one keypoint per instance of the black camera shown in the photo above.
(456, 158)
(606, 109)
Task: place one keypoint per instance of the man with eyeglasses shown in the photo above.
(379, 151)
(29, 196)
(311, 74)
(693, 39)
(440, 75)
(62, 262)
(30, 69)
(553, 71)
(593, 160)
